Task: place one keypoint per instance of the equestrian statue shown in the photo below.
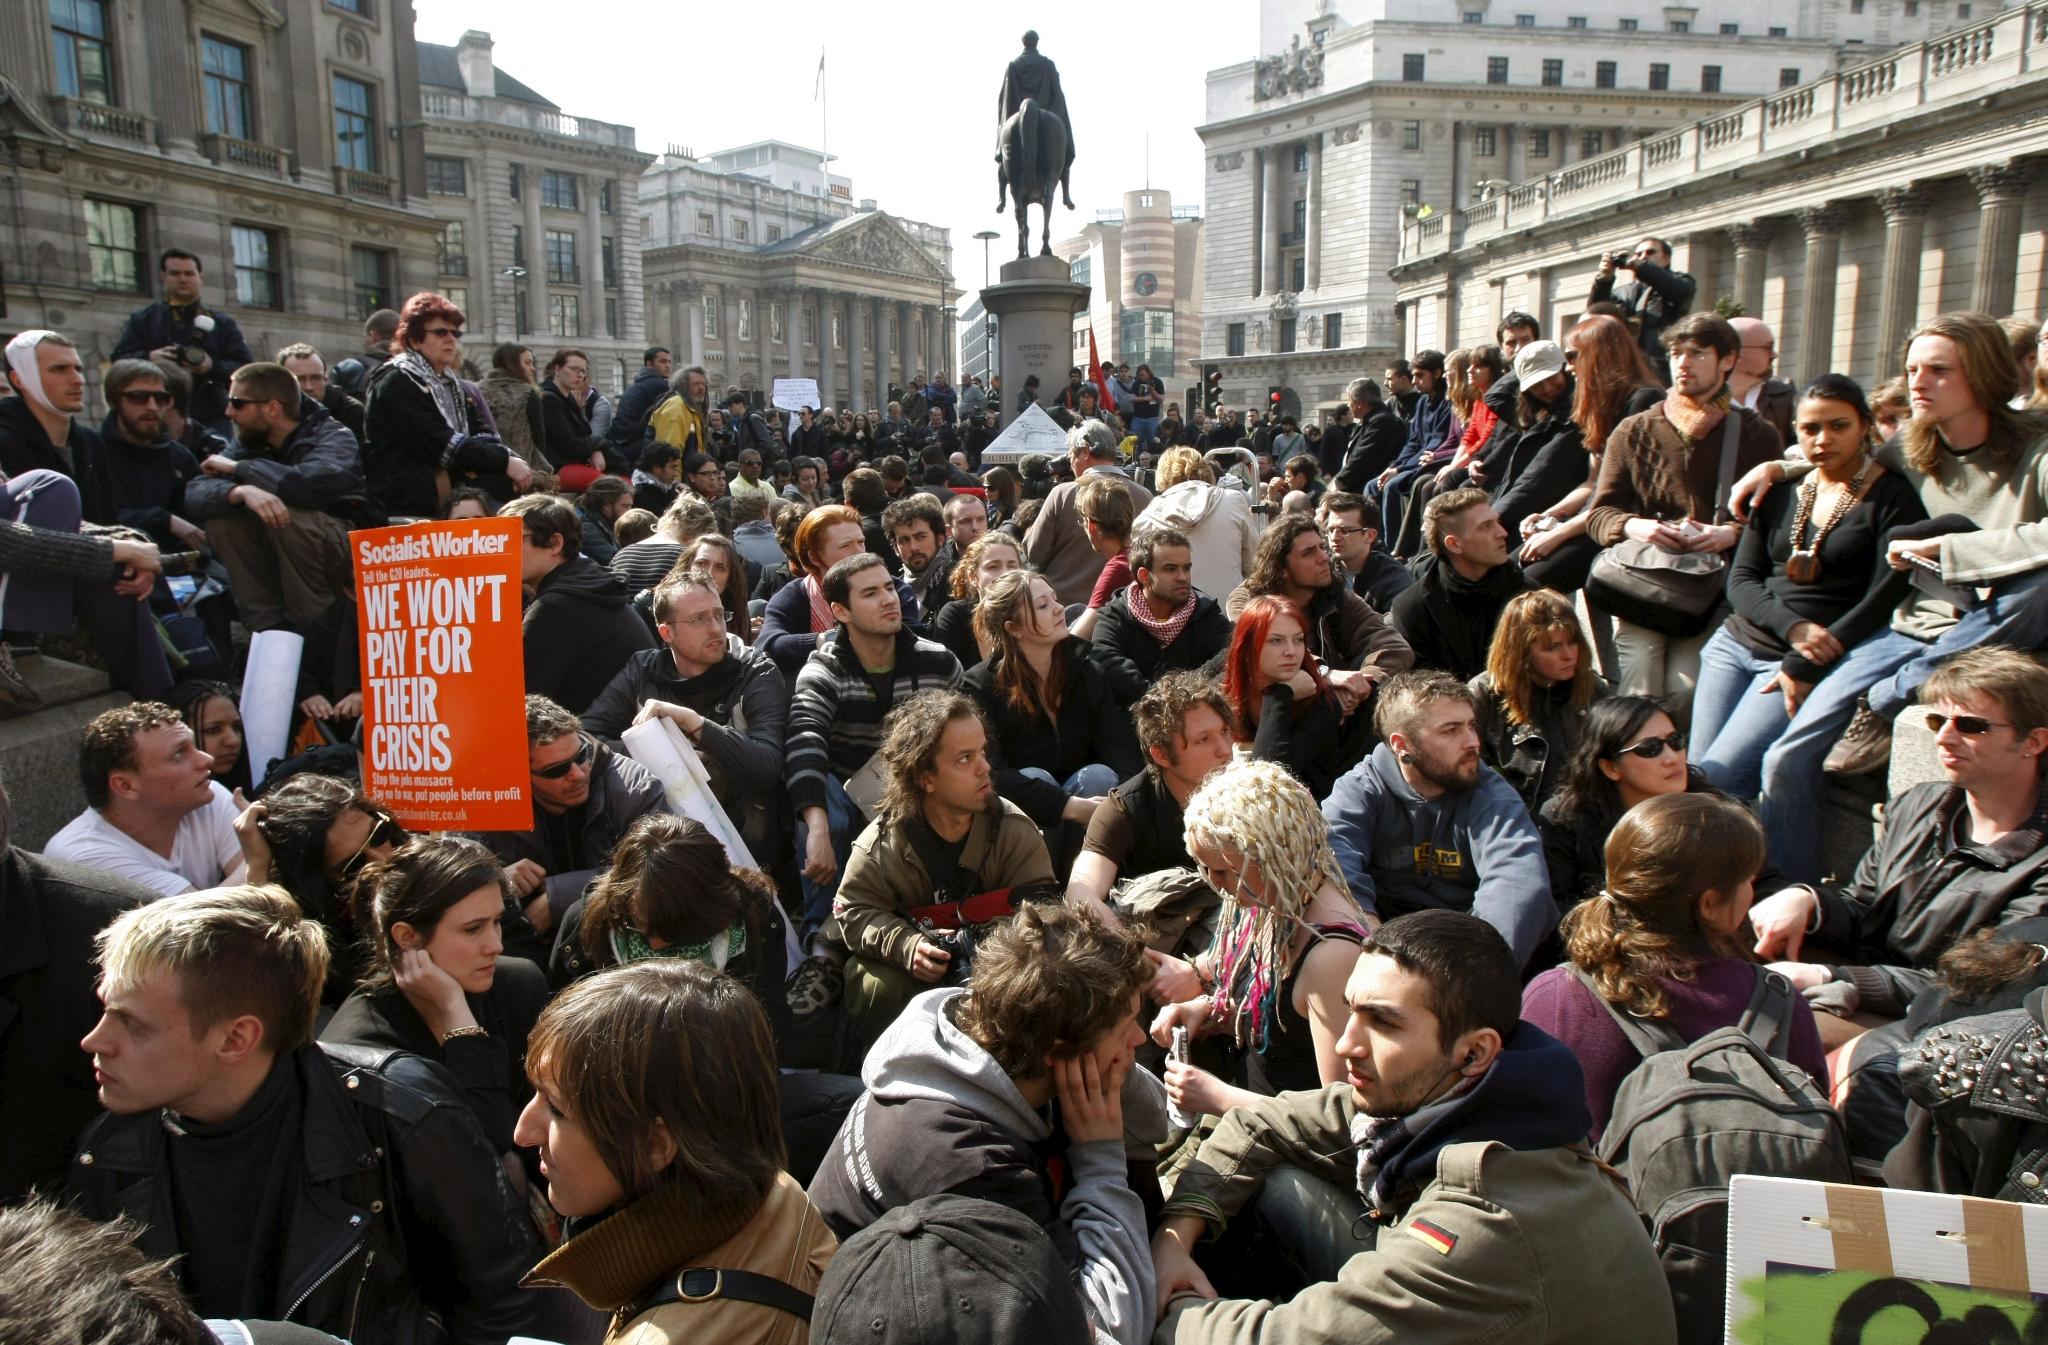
(1034, 142)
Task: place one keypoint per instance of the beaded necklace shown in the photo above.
(1803, 567)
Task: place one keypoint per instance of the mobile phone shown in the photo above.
(1175, 1117)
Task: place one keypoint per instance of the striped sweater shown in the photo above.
(835, 717)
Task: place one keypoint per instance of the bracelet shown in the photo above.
(471, 1031)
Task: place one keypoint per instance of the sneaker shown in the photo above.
(816, 985)
(1865, 746)
(17, 697)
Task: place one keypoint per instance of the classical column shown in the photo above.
(1823, 226)
(1515, 143)
(879, 310)
(2000, 189)
(945, 351)
(1258, 268)
(1313, 244)
(692, 323)
(174, 82)
(1905, 223)
(1752, 242)
(1269, 251)
(906, 342)
(536, 251)
(856, 352)
(793, 330)
(764, 337)
(593, 259)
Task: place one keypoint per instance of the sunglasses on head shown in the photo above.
(562, 768)
(386, 831)
(1970, 726)
(1649, 749)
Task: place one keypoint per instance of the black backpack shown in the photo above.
(1694, 1115)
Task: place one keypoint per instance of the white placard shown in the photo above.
(794, 394)
(270, 688)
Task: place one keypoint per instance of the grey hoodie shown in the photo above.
(940, 1115)
(1218, 520)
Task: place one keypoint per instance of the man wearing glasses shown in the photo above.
(147, 468)
(585, 796)
(1958, 855)
(278, 505)
(1352, 523)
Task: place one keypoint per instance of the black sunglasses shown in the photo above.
(239, 402)
(1970, 726)
(562, 768)
(160, 397)
(387, 831)
(1649, 749)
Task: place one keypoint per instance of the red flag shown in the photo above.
(1103, 394)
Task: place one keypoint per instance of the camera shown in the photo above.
(960, 944)
(1620, 260)
(191, 357)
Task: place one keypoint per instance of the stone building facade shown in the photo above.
(756, 281)
(540, 222)
(276, 139)
(1357, 120)
(1143, 264)
(1842, 212)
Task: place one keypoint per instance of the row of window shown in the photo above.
(565, 313)
(1606, 75)
(116, 254)
(1473, 16)
(558, 251)
(742, 229)
(712, 308)
(1288, 333)
(448, 175)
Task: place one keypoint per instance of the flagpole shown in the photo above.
(825, 118)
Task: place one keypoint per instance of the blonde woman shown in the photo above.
(1274, 978)
(1217, 519)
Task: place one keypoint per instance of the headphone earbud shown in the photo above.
(1471, 1058)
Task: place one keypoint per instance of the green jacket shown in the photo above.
(1545, 1246)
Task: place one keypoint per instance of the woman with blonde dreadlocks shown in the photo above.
(1274, 978)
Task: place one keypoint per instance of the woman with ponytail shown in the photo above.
(1667, 939)
(1287, 939)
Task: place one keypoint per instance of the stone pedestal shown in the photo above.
(1034, 305)
(39, 752)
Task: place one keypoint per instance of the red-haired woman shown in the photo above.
(423, 436)
(1286, 707)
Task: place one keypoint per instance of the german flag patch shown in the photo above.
(1427, 1233)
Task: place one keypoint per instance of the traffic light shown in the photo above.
(1212, 388)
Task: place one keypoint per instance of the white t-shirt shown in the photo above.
(205, 853)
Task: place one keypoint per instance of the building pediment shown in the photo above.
(871, 241)
(258, 11)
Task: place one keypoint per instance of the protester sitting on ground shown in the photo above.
(798, 615)
(1284, 707)
(1423, 822)
(154, 814)
(1273, 977)
(1476, 423)
(49, 916)
(1533, 696)
(40, 425)
(1956, 855)
(1538, 456)
(913, 526)
(585, 796)
(958, 1095)
(1357, 648)
(1158, 622)
(313, 835)
(436, 983)
(70, 1278)
(654, 1112)
(421, 435)
(1377, 435)
(1961, 369)
(1807, 582)
(1059, 738)
(944, 859)
(845, 693)
(1667, 941)
(210, 1001)
(1408, 1201)
(147, 471)
(991, 556)
(512, 392)
(1217, 522)
(1005, 493)
(643, 564)
(1448, 616)
(1352, 523)
(468, 502)
(210, 710)
(1184, 731)
(1630, 749)
(575, 448)
(579, 628)
(1106, 512)
(635, 525)
(715, 556)
(657, 477)
(1057, 544)
(866, 493)
(598, 508)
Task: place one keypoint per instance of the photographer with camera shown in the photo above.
(204, 342)
(1656, 298)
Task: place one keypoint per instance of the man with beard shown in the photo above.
(1159, 622)
(682, 419)
(148, 470)
(1422, 823)
(1448, 616)
(1407, 1199)
(913, 525)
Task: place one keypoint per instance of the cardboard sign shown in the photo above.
(444, 674)
(1815, 1261)
(794, 394)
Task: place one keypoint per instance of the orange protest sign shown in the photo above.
(444, 677)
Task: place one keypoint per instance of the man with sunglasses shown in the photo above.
(1957, 855)
(585, 796)
(278, 505)
(147, 468)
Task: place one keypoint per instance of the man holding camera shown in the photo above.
(1656, 298)
(178, 329)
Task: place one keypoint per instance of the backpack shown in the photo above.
(1693, 1115)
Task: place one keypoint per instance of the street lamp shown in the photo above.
(988, 322)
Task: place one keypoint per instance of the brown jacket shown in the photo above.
(1058, 545)
(620, 1260)
(1649, 472)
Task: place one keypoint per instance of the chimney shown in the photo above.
(473, 59)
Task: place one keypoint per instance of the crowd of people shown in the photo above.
(1237, 881)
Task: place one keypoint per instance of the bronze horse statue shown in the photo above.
(1035, 157)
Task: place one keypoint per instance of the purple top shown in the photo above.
(1715, 997)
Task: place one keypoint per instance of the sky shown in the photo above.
(912, 110)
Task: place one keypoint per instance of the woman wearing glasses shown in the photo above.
(422, 436)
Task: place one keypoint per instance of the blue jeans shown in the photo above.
(1317, 1225)
(1147, 430)
(1090, 782)
(2015, 614)
(1733, 722)
(845, 822)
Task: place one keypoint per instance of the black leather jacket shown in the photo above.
(1978, 1125)
(404, 1229)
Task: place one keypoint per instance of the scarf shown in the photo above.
(21, 358)
(630, 945)
(1381, 1140)
(447, 395)
(822, 619)
(1165, 631)
(1693, 418)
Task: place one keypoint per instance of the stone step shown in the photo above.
(39, 751)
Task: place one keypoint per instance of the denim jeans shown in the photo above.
(1733, 722)
(2015, 614)
(1090, 782)
(1317, 1225)
(845, 822)
(1147, 430)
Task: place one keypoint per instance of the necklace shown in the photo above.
(1803, 567)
